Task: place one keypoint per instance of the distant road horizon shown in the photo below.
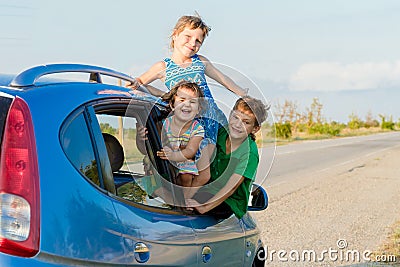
(310, 157)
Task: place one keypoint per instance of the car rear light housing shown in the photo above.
(19, 184)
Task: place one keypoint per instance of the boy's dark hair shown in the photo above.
(170, 96)
(255, 106)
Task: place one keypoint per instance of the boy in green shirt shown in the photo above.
(234, 167)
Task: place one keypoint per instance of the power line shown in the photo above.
(15, 15)
(15, 6)
(14, 38)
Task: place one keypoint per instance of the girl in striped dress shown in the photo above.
(185, 64)
(183, 133)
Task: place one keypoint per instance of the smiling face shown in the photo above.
(188, 42)
(241, 124)
(186, 104)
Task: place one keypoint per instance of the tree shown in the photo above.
(354, 122)
(388, 125)
(370, 121)
(287, 114)
(106, 128)
(314, 114)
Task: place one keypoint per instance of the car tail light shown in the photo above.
(19, 184)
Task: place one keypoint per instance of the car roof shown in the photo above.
(33, 81)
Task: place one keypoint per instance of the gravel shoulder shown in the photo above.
(355, 203)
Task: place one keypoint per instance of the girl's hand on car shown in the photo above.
(134, 85)
(192, 204)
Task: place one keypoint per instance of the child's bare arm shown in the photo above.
(229, 188)
(214, 73)
(182, 155)
(157, 71)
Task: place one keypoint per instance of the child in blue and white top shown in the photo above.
(185, 64)
(182, 134)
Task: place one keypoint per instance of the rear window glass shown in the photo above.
(78, 147)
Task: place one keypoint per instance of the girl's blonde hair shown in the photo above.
(191, 22)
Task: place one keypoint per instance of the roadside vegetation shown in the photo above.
(391, 247)
(291, 124)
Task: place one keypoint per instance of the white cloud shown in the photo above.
(333, 76)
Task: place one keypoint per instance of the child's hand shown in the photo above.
(165, 153)
(192, 204)
(134, 85)
(244, 92)
(141, 132)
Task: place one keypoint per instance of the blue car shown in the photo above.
(78, 189)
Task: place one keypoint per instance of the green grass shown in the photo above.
(391, 246)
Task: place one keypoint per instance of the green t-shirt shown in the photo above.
(244, 161)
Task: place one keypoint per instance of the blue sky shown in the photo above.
(344, 52)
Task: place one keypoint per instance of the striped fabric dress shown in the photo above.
(211, 116)
(177, 143)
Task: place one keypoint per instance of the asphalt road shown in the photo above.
(284, 163)
(335, 195)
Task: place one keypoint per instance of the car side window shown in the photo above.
(124, 130)
(136, 178)
(78, 147)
